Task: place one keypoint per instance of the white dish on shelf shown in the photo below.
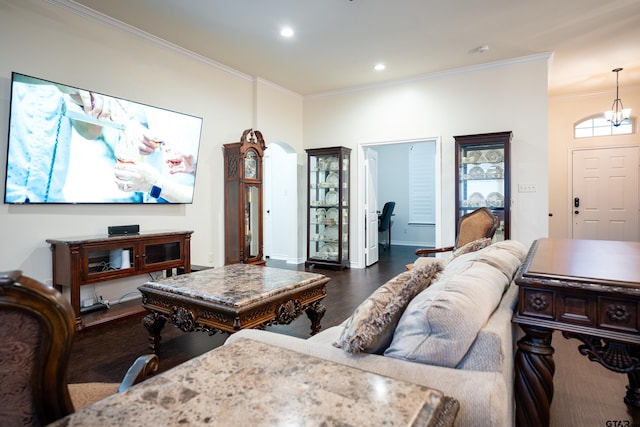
(333, 164)
(331, 197)
(476, 172)
(495, 200)
(494, 172)
(477, 200)
(332, 179)
(321, 214)
(494, 156)
(333, 214)
(331, 233)
(327, 250)
(473, 156)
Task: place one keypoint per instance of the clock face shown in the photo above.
(250, 165)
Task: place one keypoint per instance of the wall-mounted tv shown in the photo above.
(72, 145)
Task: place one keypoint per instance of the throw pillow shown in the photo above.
(370, 328)
(476, 245)
(441, 323)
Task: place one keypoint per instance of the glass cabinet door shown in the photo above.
(328, 207)
(482, 174)
(103, 260)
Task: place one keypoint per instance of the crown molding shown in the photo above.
(548, 56)
(89, 13)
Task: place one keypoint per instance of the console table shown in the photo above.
(589, 290)
(248, 383)
(88, 260)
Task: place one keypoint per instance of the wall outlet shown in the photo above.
(211, 258)
(526, 188)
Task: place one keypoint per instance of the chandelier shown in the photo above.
(618, 113)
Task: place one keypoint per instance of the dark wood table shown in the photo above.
(249, 383)
(589, 290)
(231, 298)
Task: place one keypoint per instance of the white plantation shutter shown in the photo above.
(422, 183)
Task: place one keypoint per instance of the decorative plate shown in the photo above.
(334, 163)
(476, 172)
(331, 233)
(495, 172)
(333, 214)
(332, 179)
(494, 156)
(331, 197)
(476, 200)
(474, 156)
(495, 200)
(328, 250)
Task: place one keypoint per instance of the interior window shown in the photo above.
(597, 125)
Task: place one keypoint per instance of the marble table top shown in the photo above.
(248, 383)
(236, 285)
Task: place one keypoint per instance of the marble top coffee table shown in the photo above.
(231, 298)
(249, 383)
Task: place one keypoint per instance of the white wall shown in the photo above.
(564, 113)
(41, 39)
(510, 96)
(47, 41)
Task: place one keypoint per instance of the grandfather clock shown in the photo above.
(243, 199)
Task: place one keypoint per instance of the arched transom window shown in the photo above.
(597, 125)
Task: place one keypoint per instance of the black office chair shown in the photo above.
(384, 221)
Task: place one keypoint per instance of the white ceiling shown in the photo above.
(337, 42)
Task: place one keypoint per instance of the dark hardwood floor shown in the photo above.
(585, 393)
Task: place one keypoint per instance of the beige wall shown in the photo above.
(63, 43)
(564, 112)
(510, 96)
(48, 41)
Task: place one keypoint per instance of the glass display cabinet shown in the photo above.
(328, 208)
(483, 176)
(243, 199)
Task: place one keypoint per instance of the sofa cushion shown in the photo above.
(440, 324)
(370, 328)
(476, 245)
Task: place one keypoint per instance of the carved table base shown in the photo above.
(589, 290)
(232, 298)
(615, 356)
(534, 368)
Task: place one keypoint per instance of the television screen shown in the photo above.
(71, 145)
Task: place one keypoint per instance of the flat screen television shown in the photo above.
(72, 145)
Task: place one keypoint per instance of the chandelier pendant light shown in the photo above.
(618, 113)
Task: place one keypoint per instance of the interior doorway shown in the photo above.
(391, 184)
(281, 223)
(604, 199)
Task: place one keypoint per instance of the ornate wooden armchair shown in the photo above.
(36, 331)
(472, 226)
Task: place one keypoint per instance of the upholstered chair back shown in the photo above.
(36, 332)
(476, 225)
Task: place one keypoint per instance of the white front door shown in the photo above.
(605, 194)
(371, 206)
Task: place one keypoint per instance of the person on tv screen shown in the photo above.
(41, 133)
(66, 144)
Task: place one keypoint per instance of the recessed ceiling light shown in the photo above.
(379, 67)
(286, 32)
